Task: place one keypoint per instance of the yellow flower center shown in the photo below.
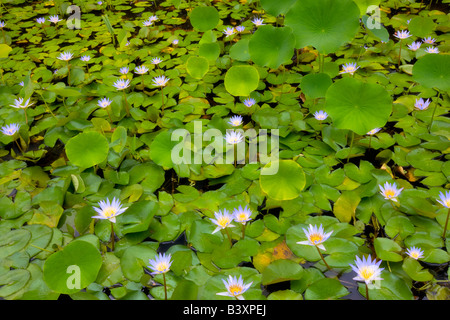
(389, 193)
(223, 221)
(235, 289)
(242, 217)
(162, 267)
(447, 203)
(109, 212)
(315, 238)
(366, 273)
(414, 255)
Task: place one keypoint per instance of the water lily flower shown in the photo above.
(429, 40)
(40, 20)
(444, 199)
(121, 84)
(156, 60)
(233, 137)
(320, 115)
(161, 263)
(10, 129)
(85, 58)
(222, 220)
(229, 31)
(104, 103)
(367, 270)
(350, 67)
(235, 121)
(390, 191)
(415, 253)
(21, 104)
(153, 18)
(316, 236)
(249, 102)
(175, 42)
(141, 70)
(415, 45)
(2, 24)
(242, 215)
(258, 21)
(404, 34)
(147, 23)
(432, 50)
(373, 131)
(422, 104)
(21, 83)
(124, 70)
(160, 81)
(55, 19)
(65, 56)
(109, 210)
(240, 28)
(235, 287)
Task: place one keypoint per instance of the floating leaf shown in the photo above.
(204, 18)
(241, 80)
(87, 149)
(433, 71)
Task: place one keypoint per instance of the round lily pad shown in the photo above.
(73, 268)
(204, 18)
(286, 183)
(197, 67)
(358, 106)
(323, 24)
(87, 149)
(241, 80)
(315, 85)
(433, 71)
(271, 47)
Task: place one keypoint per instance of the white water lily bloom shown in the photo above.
(229, 31)
(124, 70)
(85, 58)
(161, 263)
(258, 21)
(350, 67)
(10, 129)
(121, 84)
(404, 34)
(234, 137)
(65, 56)
(415, 253)
(367, 270)
(373, 131)
(54, 19)
(222, 220)
(422, 104)
(242, 215)
(316, 236)
(429, 40)
(141, 70)
(160, 81)
(249, 102)
(156, 61)
(390, 191)
(432, 50)
(444, 199)
(235, 287)
(2, 24)
(104, 103)
(415, 45)
(40, 20)
(235, 121)
(320, 115)
(21, 104)
(109, 210)
(240, 28)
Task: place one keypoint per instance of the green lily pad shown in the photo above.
(87, 149)
(73, 268)
(326, 289)
(241, 80)
(358, 106)
(433, 71)
(315, 85)
(285, 184)
(134, 260)
(197, 67)
(323, 24)
(204, 18)
(281, 270)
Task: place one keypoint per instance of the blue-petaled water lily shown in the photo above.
(415, 253)
(2, 24)
(444, 199)
(350, 68)
(404, 34)
(320, 115)
(316, 236)
(104, 103)
(109, 210)
(65, 56)
(235, 287)
(222, 220)
(432, 50)
(156, 60)
(124, 70)
(249, 102)
(233, 137)
(240, 28)
(429, 40)
(367, 270)
(235, 120)
(390, 191)
(258, 21)
(242, 215)
(40, 20)
(160, 81)
(21, 103)
(373, 131)
(422, 104)
(141, 69)
(121, 84)
(54, 19)
(229, 31)
(10, 129)
(85, 58)
(161, 263)
(415, 45)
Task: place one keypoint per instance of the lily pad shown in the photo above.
(87, 149)
(241, 80)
